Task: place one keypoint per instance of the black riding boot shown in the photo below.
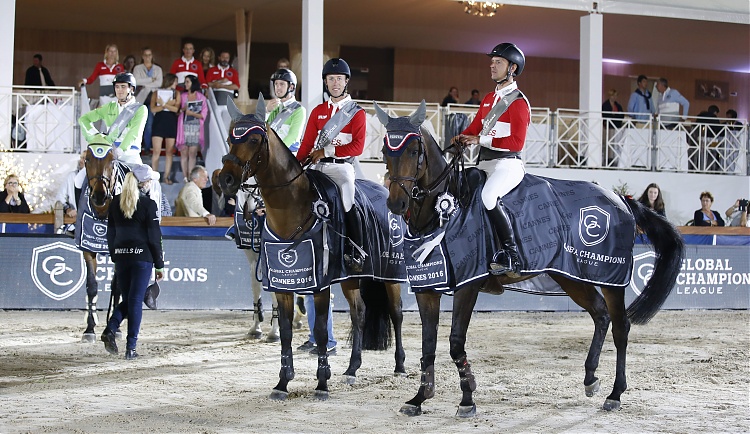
(353, 259)
(506, 260)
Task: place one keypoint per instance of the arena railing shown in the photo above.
(39, 119)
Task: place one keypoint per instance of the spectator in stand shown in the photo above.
(612, 109)
(223, 79)
(187, 65)
(451, 98)
(165, 103)
(135, 246)
(669, 104)
(283, 63)
(68, 194)
(193, 112)
(129, 63)
(37, 74)
(208, 59)
(705, 216)
(11, 199)
(737, 214)
(106, 72)
(710, 116)
(731, 116)
(189, 202)
(286, 116)
(475, 98)
(149, 77)
(652, 199)
(640, 101)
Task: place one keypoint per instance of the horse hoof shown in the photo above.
(271, 339)
(321, 395)
(349, 380)
(254, 334)
(467, 410)
(88, 338)
(278, 395)
(297, 325)
(401, 374)
(592, 388)
(610, 405)
(411, 410)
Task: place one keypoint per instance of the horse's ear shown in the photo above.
(419, 115)
(234, 112)
(382, 116)
(260, 109)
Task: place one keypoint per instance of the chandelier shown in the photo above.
(480, 9)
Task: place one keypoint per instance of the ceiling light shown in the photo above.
(480, 9)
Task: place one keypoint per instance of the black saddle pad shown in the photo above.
(317, 257)
(575, 228)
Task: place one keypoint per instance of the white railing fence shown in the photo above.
(34, 119)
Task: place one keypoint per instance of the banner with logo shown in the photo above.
(48, 272)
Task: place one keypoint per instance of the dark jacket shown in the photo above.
(137, 238)
(22, 208)
(607, 107)
(698, 219)
(33, 78)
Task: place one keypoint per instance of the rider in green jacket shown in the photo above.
(124, 120)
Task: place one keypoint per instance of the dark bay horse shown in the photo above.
(419, 175)
(101, 166)
(288, 195)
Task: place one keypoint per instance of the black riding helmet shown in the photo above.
(336, 65)
(512, 54)
(286, 75)
(125, 77)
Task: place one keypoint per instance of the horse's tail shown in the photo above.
(376, 331)
(669, 248)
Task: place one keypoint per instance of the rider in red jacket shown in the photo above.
(500, 129)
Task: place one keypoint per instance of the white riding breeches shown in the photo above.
(343, 175)
(503, 175)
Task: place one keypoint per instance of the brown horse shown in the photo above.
(419, 175)
(101, 164)
(288, 195)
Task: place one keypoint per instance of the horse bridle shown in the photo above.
(109, 185)
(247, 170)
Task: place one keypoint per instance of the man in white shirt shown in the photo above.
(189, 202)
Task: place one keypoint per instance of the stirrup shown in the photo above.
(503, 264)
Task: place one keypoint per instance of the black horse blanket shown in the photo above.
(574, 228)
(315, 260)
(90, 231)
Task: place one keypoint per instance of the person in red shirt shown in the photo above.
(501, 133)
(106, 71)
(223, 79)
(187, 65)
(333, 152)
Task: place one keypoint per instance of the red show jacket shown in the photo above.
(102, 70)
(317, 120)
(194, 67)
(518, 116)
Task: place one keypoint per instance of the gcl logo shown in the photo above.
(643, 268)
(288, 257)
(397, 235)
(58, 270)
(100, 229)
(593, 226)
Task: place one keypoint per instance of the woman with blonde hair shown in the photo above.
(106, 71)
(12, 199)
(134, 239)
(208, 59)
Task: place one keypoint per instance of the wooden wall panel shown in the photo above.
(71, 55)
(548, 82)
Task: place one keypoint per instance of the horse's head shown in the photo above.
(100, 162)
(404, 153)
(248, 146)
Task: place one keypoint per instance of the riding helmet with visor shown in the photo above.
(512, 54)
(286, 75)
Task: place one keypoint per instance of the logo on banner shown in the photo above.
(397, 235)
(58, 270)
(593, 226)
(100, 229)
(287, 258)
(643, 267)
